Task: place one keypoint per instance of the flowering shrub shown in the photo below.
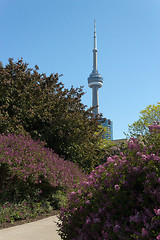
(31, 172)
(155, 127)
(120, 199)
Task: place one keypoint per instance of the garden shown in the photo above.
(54, 159)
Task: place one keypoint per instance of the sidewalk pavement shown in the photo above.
(44, 229)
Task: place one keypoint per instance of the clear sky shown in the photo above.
(57, 35)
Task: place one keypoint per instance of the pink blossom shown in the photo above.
(144, 232)
(158, 237)
(96, 220)
(154, 127)
(116, 228)
(72, 194)
(88, 220)
(136, 169)
(109, 159)
(116, 187)
(157, 212)
(105, 235)
(144, 157)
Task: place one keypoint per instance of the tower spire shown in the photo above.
(95, 49)
(95, 38)
(95, 80)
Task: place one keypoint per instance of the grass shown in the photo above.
(16, 214)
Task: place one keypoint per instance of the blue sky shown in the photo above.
(57, 35)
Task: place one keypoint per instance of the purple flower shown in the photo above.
(109, 159)
(72, 194)
(144, 232)
(136, 169)
(88, 220)
(105, 235)
(158, 237)
(135, 218)
(116, 228)
(87, 202)
(96, 220)
(117, 187)
(154, 127)
(144, 157)
(157, 212)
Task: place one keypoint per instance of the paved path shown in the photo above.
(44, 229)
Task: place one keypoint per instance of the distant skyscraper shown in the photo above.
(95, 80)
(109, 126)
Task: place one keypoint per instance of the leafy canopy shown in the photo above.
(39, 105)
(147, 117)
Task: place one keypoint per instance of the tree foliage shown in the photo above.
(39, 105)
(147, 117)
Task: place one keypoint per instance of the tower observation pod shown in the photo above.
(95, 81)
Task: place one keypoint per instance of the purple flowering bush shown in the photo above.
(31, 173)
(120, 199)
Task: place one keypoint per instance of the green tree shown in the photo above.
(147, 116)
(39, 105)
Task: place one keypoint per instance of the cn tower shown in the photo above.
(95, 81)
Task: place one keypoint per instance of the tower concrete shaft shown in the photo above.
(95, 100)
(95, 80)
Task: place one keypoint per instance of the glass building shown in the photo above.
(109, 127)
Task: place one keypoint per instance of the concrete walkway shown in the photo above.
(44, 229)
